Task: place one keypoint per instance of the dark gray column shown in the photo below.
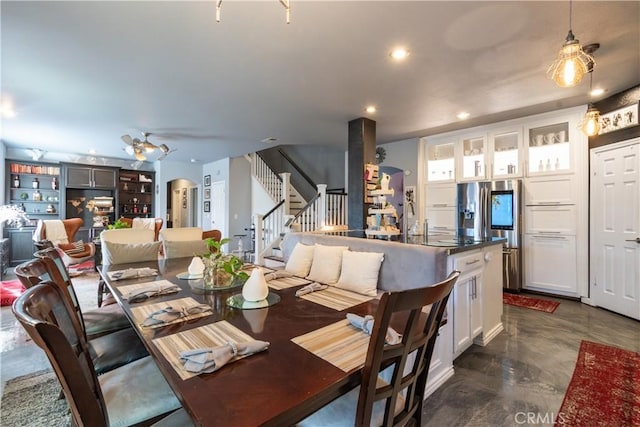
(362, 149)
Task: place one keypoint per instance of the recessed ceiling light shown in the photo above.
(463, 115)
(269, 140)
(194, 160)
(6, 108)
(92, 151)
(399, 53)
(370, 109)
(597, 92)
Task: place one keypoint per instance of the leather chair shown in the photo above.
(158, 222)
(377, 402)
(42, 240)
(133, 394)
(108, 350)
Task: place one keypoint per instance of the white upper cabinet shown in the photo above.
(505, 149)
(550, 146)
(473, 154)
(441, 161)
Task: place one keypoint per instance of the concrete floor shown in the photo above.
(526, 369)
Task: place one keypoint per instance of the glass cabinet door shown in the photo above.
(549, 149)
(473, 158)
(506, 154)
(440, 162)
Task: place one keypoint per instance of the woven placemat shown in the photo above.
(341, 344)
(140, 313)
(212, 335)
(336, 298)
(287, 282)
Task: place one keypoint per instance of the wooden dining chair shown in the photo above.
(133, 394)
(380, 403)
(108, 350)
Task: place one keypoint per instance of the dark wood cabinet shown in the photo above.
(21, 246)
(90, 177)
(136, 194)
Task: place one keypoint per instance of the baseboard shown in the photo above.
(435, 382)
(484, 339)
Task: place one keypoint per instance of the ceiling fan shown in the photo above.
(138, 148)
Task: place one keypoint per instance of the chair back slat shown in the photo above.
(412, 355)
(49, 320)
(32, 272)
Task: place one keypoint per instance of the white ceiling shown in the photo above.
(81, 74)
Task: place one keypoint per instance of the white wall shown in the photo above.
(219, 171)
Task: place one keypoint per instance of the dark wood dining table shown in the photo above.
(279, 386)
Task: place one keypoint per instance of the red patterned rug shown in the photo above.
(530, 302)
(9, 291)
(604, 389)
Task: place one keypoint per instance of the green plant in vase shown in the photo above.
(220, 269)
(118, 224)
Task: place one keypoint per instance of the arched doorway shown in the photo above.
(182, 203)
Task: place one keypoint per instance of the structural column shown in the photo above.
(362, 150)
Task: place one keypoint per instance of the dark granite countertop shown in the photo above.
(453, 244)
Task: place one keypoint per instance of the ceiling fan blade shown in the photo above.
(129, 150)
(127, 139)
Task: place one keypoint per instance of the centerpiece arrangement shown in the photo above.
(221, 270)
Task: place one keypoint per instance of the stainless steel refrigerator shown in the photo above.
(494, 209)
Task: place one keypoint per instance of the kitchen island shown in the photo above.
(474, 309)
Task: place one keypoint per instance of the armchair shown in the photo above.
(61, 235)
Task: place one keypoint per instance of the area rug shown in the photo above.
(530, 302)
(604, 389)
(9, 291)
(32, 400)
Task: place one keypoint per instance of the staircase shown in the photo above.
(324, 212)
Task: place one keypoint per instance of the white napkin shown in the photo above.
(132, 273)
(279, 274)
(169, 314)
(366, 324)
(206, 360)
(151, 291)
(311, 287)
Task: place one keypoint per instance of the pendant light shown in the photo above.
(572, 62)
(591, 122)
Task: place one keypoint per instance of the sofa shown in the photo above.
(404, 266)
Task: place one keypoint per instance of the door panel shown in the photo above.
(615, 226)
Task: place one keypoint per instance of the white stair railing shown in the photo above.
(269, 228)
(326, 211)
(269, 180)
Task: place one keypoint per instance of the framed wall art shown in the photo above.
(207, 180)
(207, 193)
(207, 206)
(619, 119)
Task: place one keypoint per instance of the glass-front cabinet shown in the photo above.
(549, 148)
(441, 161)
(473, 155)
(507, 154)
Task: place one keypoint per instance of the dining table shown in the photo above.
(279, 386)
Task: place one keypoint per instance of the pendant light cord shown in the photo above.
(570, 13)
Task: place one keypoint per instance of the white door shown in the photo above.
(218, 217)
(176, 211)
(615, 227)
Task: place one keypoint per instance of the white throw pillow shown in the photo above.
(360, 272)
(300, 260)
(327, 262)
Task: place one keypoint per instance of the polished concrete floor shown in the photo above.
(524, 370)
